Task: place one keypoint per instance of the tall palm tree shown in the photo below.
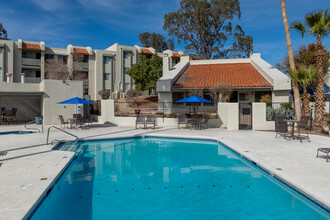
(317, 24)
(296, 94)
(304, 76)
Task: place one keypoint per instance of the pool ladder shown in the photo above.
(47, 142)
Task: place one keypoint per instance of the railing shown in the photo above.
(31, 122)
(77, 139)
(30, 62)
(81, 65)
(162, 109)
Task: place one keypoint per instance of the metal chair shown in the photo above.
(204, 122)
(63, 123)
(151, 119)
(182, 120)
(281, 127)
(303, 124)
(140, 120)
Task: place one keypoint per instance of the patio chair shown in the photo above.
(324, 150)
(303, 124)
(89, 120)
(151, 119)
(204, 122)
(182, 120)
(63, 123)
(281, 126)
(195, 122)
(140, 120)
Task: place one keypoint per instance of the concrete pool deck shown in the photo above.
(30, 166)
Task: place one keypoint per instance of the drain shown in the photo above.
(44, 178)
(279, 168)
(3, 153)
(0, 164)
(247, 151)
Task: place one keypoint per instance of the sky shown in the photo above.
(101, 23)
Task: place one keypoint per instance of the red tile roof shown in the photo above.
(210, 75)
(80, 50)
(31, 46)
(146, 51)
(176, 54)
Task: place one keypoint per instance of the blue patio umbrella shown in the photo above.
(76, 100)
(194, 99)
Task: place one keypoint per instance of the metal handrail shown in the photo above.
(30, 122)
(77, 139)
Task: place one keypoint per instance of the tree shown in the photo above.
(205, 27)
(56, 69)
(156, 41)
(221, 92)
(317, 24)
(146, 72)
(304, 76)
(3, 33)
(305, 55)
(296, 93)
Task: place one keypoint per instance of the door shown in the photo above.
(245, 116)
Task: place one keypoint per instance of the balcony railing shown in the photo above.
(30, 62)
(81, 66)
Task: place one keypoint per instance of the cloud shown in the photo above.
(50, 5)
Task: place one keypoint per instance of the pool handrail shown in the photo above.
(77, 139)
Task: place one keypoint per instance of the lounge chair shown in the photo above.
(324, 150)
(182, 120)
(281, 126)
(63, 123)
(140, 120)
(151, 119)
(303, 124)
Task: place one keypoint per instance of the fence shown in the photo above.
(163, 109)
(283, 108)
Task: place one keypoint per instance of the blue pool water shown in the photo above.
(16, 132)
(158, 178)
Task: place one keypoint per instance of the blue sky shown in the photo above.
(101, 23)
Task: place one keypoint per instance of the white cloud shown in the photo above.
(50, 5)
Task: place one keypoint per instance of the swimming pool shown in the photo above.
(16, 132)
(166, 178)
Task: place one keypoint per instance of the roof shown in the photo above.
(211, 75)
(176, 54)
(80, 50)
(146, 51)
(31, 46)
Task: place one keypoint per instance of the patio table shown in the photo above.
(76, 121)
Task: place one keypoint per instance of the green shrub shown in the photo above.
(172, 115)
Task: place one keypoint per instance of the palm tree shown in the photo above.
(304, 76)
(317, 24)
(296, 94)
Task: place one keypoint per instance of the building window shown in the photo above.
(244, 97)
(0, 51)
(85, 59)
(126, 69)
(1, 77)
(127, 86)
(106, 60)
(62, 58)
(126, 54)
(107, 76)
(49, 56)
(38, 56)
(38, 74)
(24, 55)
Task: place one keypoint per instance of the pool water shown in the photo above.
(16, 132)
(159, 178)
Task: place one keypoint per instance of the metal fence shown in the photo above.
(280, 108)
(162, 109)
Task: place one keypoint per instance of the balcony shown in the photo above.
(30, 62)
(81, 66)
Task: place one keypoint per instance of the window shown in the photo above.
(38, 56)
(49, 56)
(126, 69)
(1, 76)
(106, 60)
(62, 58)
(126, 54)
(127, 86)
(0, 51)
(107, 76)
(38, 74)
(85, 59)
(244, 97)
(24, 55)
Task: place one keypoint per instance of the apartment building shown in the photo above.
(26, 67)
